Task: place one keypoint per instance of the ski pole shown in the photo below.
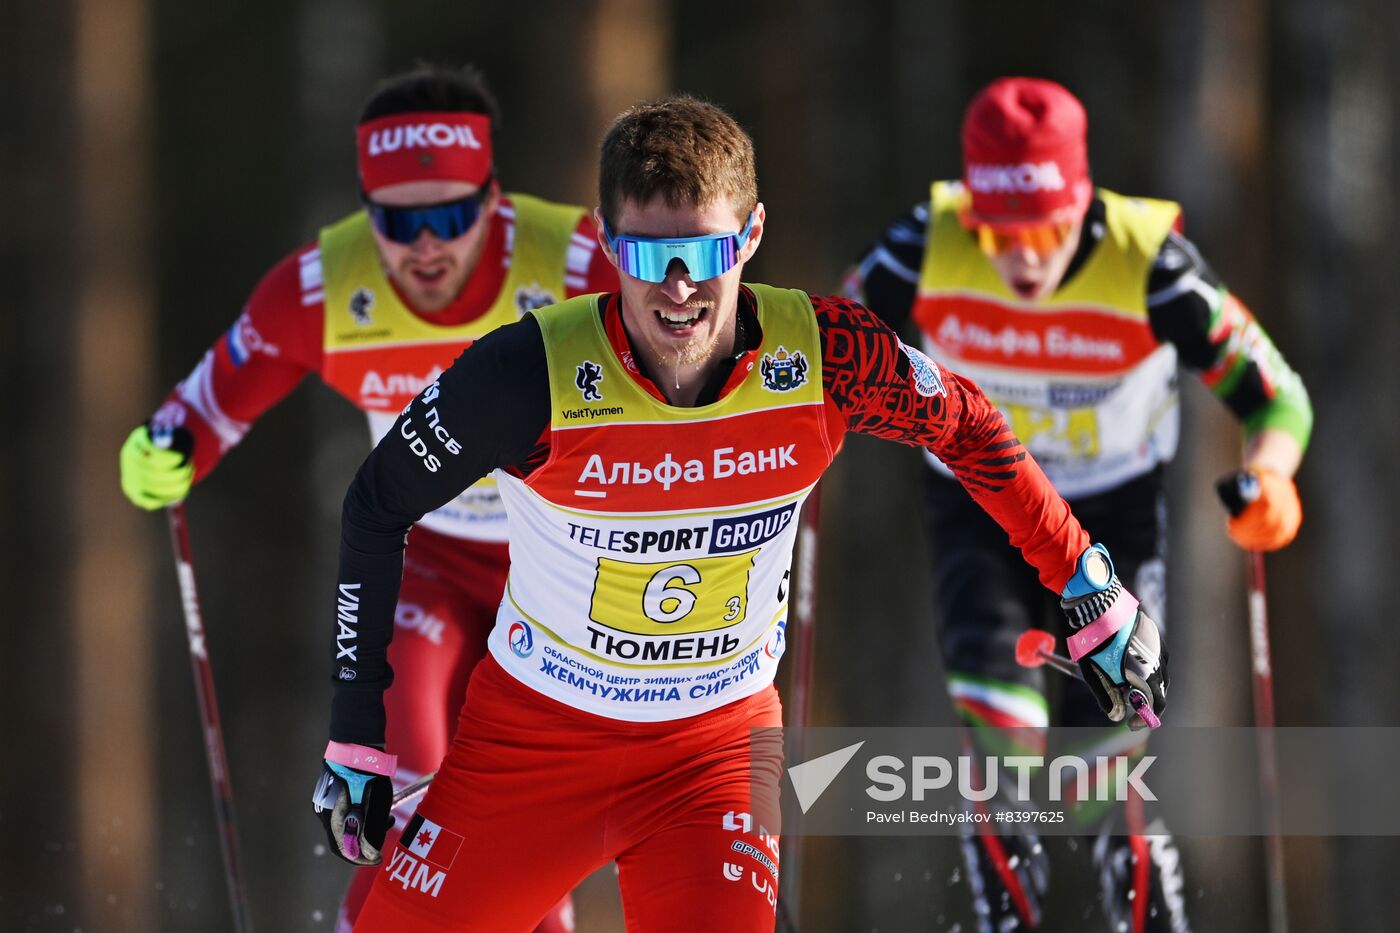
(804, 617)
(1036, 648)
(1236, 492)
(416, 789)
(219, 780)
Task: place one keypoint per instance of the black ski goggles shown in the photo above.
(446, 221)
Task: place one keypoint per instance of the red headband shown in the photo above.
(424, 147)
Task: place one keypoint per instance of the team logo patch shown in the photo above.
(927, 379)
(775, 647)
(783, 372)
(361, 300)
(522, 640)
(532, 297)
(430, 842)
(587, 379)
(243, 340)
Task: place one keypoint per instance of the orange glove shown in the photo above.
(1266, 512)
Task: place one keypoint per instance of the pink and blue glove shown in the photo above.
(353, 798)
(1118, 647)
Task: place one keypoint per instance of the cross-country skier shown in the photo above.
(377, 307)
(653, 447)
(1071, 307)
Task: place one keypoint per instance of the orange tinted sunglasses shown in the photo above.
(1041, 239)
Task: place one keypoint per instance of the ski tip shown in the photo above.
(1033, 646)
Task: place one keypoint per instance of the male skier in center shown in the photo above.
(653, 447)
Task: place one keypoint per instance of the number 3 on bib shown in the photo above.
(672, 597)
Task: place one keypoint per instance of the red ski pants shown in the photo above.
(535, 795)
(447, 607)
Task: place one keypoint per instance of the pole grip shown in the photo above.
(1237, 490)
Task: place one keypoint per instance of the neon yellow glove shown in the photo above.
(154, 477)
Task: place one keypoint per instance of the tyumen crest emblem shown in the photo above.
(587, 379)
(783, 371)
(361, 300)
(532, 297)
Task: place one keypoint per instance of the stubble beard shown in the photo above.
(437, 296)
(693, 351)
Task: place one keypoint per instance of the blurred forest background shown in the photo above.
(156, 157)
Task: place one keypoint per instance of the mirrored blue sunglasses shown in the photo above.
(446, 221)
(705, 257)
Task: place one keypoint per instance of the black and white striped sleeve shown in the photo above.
(886, 277)
(1219, 338)
(1184, 296)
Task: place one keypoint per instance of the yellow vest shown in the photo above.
(650, 553)
(1080, 376)
(380, 355)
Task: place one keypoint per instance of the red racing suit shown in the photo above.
(455, 571)
(646, 539)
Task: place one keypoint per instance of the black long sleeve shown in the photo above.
(488, 410)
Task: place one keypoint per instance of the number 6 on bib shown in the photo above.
(672, 597)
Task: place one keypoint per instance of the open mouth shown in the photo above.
(430, 276)
(1025, 287)
(681, 319)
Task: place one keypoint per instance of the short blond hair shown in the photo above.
(686, 150)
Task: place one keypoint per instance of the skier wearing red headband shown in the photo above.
(377, 307)
(1071, 307)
